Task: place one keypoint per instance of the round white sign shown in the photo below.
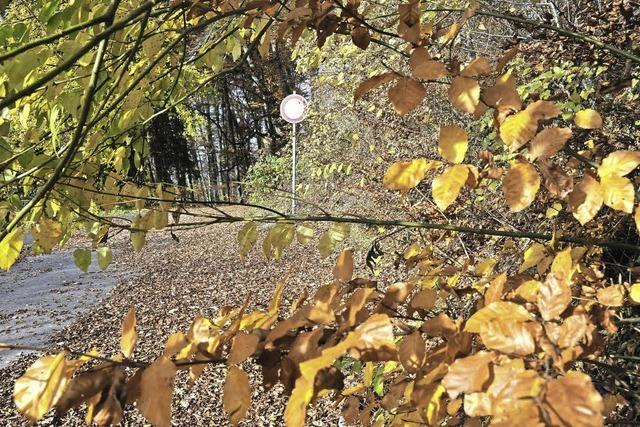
(293, 107)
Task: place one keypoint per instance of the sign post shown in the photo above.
(292, 110)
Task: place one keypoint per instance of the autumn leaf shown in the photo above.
(617, 193)
(612, 296)
(406, 175)
(572, 400)
(554, 296)
(423, 67)
(464, 94)
(247, 237)
(469, 374)
(40, 387)
(507, 336)
(82, 258)
(412, 352)
(619, 163)
(372, 84)
(155, 390)
(520, 185)
(10, 248)
(361, 37)
(105, 256)
(453, 143)
(376, 333)
(634, 293)
(446, 187)
(588, 119)
(497, 310)
(503, 94)
(478, 67)
(243, 346)
(129, 336)
(237, 394)
(532, 256)
(586, 199)
(548, 142)
(506, 57)
(406, 95)
(47, 233)
(518, 129)
(343, 269)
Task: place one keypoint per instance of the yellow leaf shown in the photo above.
(237, 394)
(406, 95)
(586, 199)
(588, 119)
(634, 293)
(619, 163)
(343, 270)
(464, 94)
(47, 233)
(129, 336)
(618, 193)
(563, 263)
(453, 143)
(10, 248)
(518, 129)
(247, 237)
(573, 400)
(38, 390)
(406, 175)
(532, 256)
(445, 188)
(304, 234)
(520, 185)
(496, 310)
(507, 336)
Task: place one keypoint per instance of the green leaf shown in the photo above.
(10, 248)
(82, 258)
(105, 256)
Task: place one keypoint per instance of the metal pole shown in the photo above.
(293, 171)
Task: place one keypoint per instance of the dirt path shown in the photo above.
(171, 283)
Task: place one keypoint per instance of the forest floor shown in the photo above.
(170, 283)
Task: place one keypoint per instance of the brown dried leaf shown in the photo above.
(507, 336)
(612, 296)
(520, 185)
(129, 336)
(554, 296)
(155, 392)
(469, 374)
(406, 95)
(572, 400)
(373, 83)
(412, 352)
(548, 142)
(497, 310)
(243, 346)
(237, 394)
(464, 94)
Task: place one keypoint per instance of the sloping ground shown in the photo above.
(171, 283)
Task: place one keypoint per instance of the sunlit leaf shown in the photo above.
(469, 374)
(520, 185)
(373, 83)
(412, 352)
(453, 143)
(10, 248)
(619, 163)
(497, 310)
(247, 238)
(343, 269)
(507, 336)
(618, 193)
(129, 336)
(464, 94)
(406, 175)
(612, 296)
(105, 256)
(38, 390)
(155, 390)
(554, 296)
(572, 400)
(446, 187)
(586, 199)
(588, 119)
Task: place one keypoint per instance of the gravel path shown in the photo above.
(170, 284)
